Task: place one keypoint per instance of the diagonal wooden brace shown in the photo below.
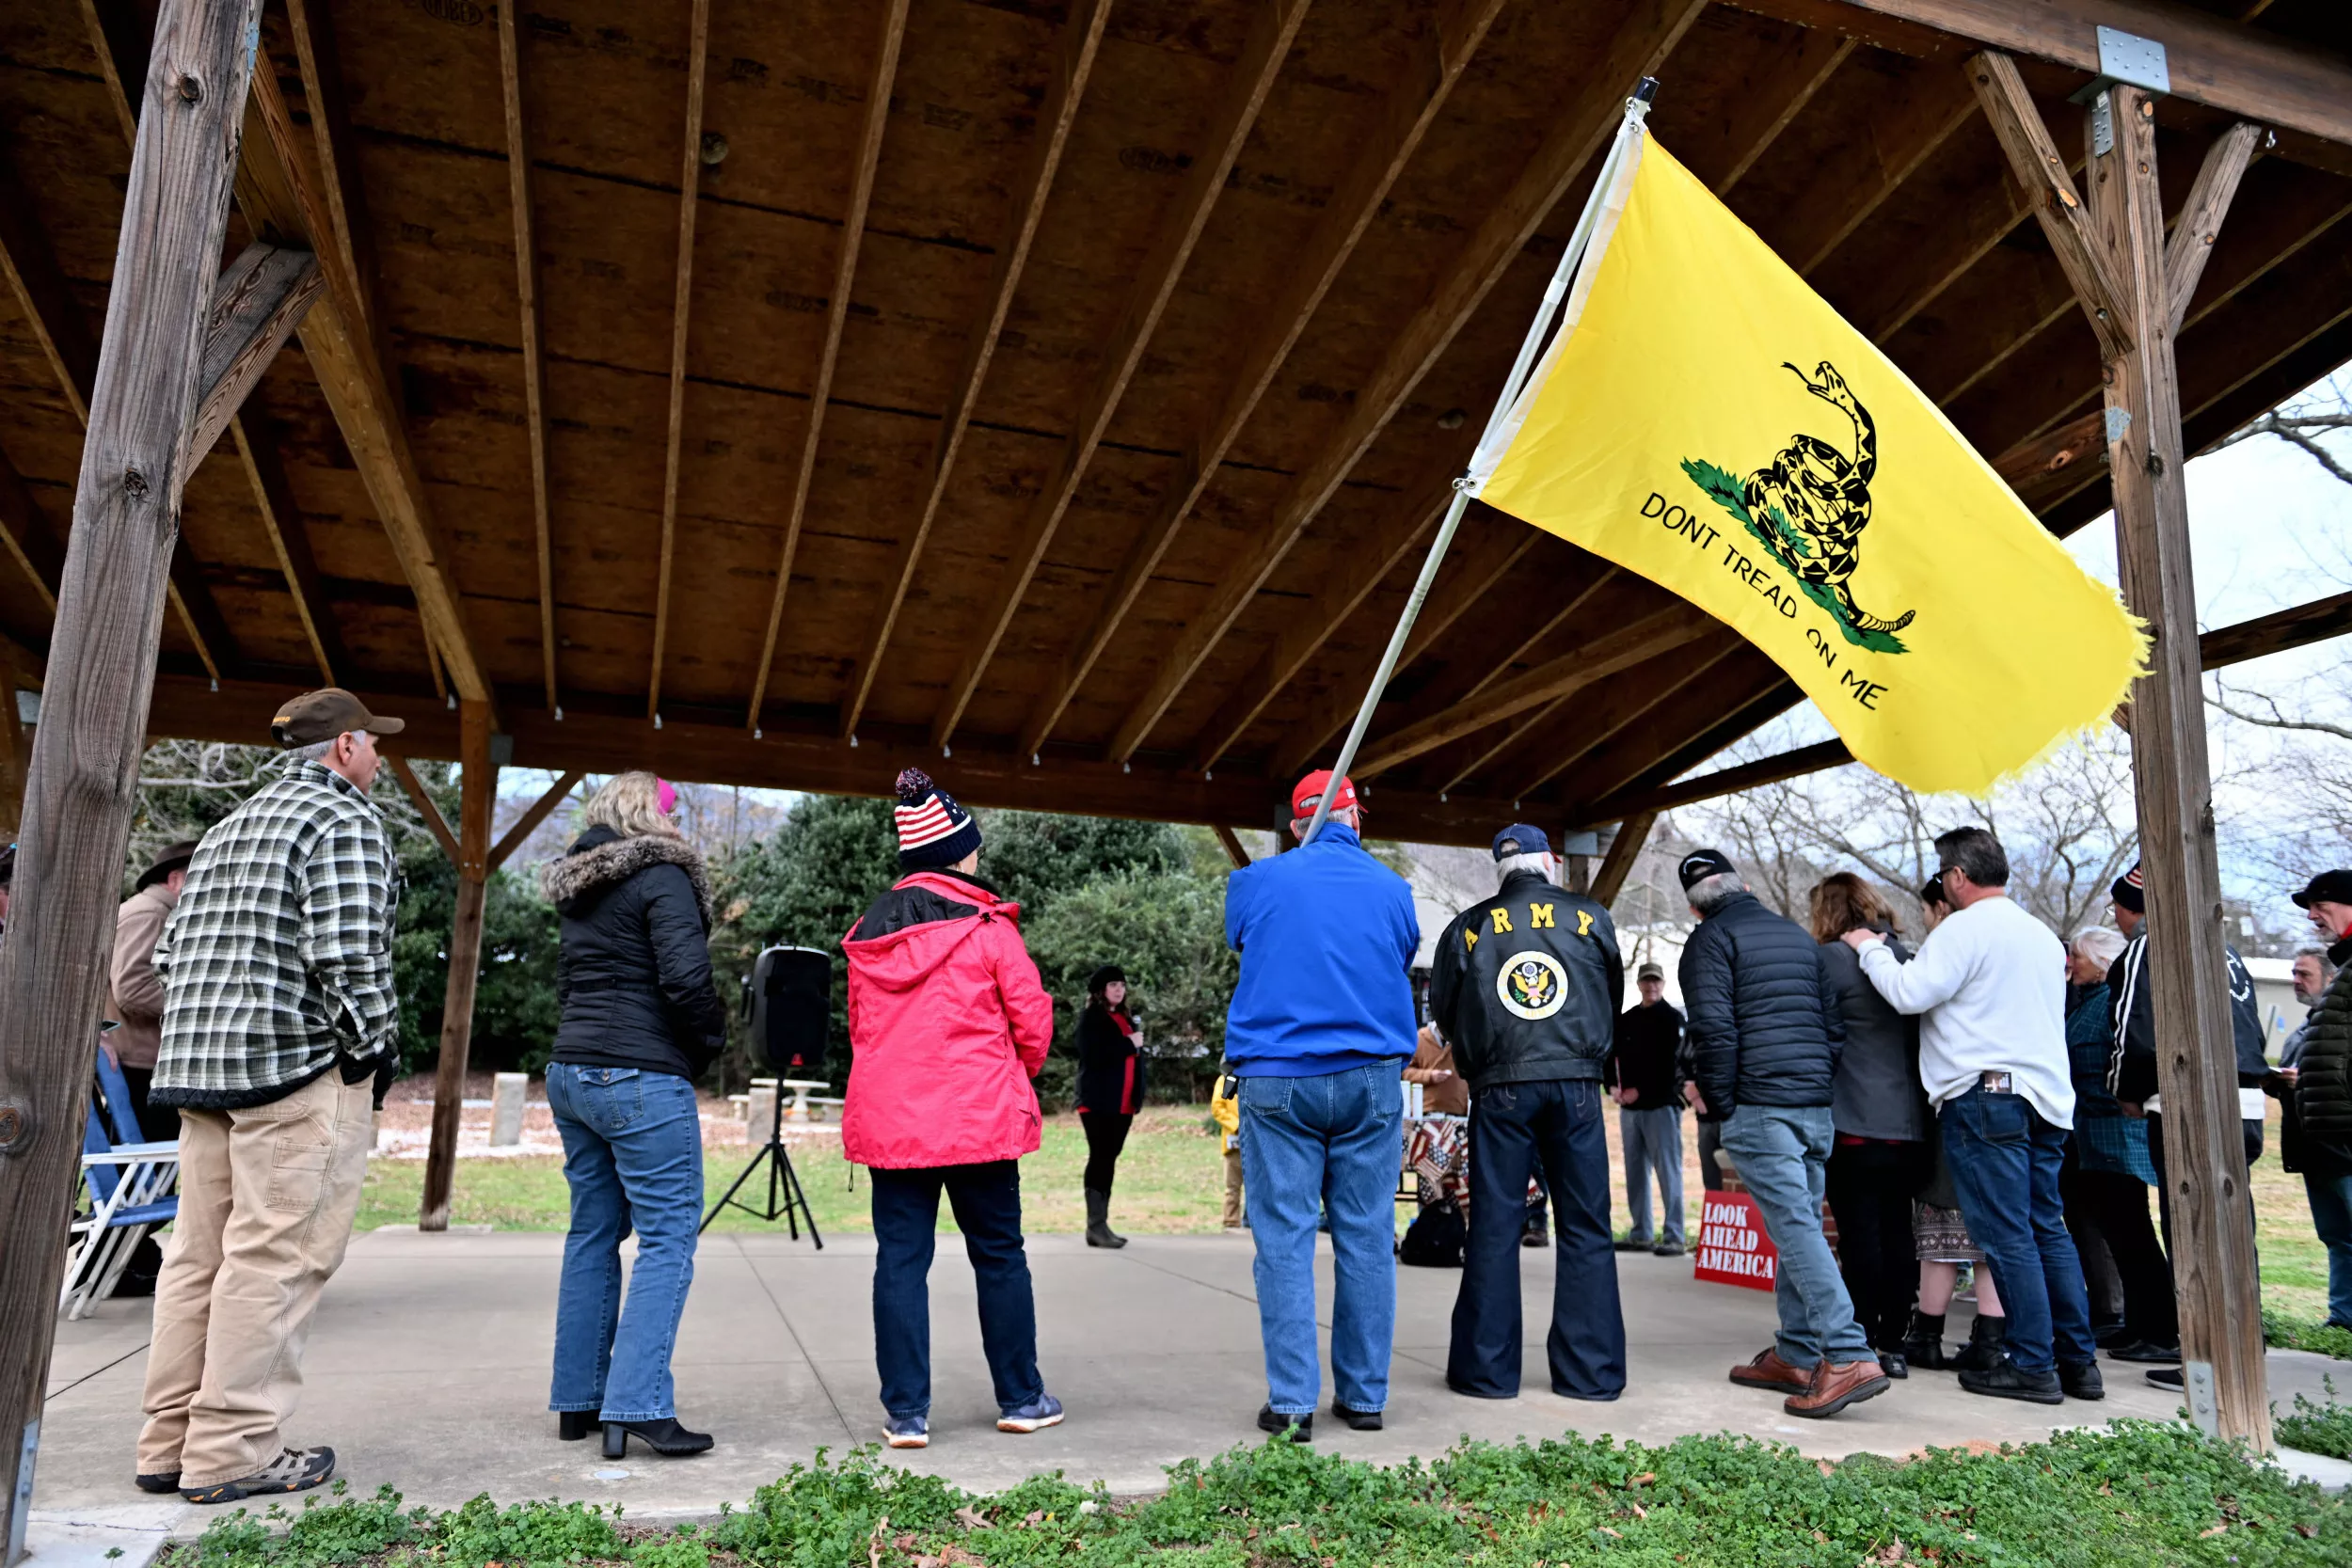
(258, 303)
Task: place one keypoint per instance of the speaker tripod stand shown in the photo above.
(787, 1199)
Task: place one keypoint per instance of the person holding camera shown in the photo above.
(1110, 1091)
(949, 1023)
(641, 1022)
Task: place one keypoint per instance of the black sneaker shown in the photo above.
(2080, 1380)
(1891, 1362)
(1299, 1428)
(292, 1471)
(1358, 1420)
(1668, 1249)
(2004, 1381)
(2169, 1377)
(1633, 1243)
(159, 1480)
(2144, 1350)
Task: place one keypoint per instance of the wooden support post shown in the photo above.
(1235, 850)
(110, 607)
(2213, 1266)
(1623, 850)
(478, 786)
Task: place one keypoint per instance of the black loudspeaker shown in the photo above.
(793, 1010)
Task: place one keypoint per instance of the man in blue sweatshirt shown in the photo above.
(1317, 1033)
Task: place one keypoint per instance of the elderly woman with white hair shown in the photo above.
(641, 1022)
(2107, 1173)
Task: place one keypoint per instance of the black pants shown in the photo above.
(987, 1203)
(1869, 1188)
(1106, 1135)
(1513, 1128)
(1710, 1139)
(2115, 1204)
(160, 1123)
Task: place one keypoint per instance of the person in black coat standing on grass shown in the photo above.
(1110, 1091)
(1766, 1030)
(641, 1022)
(1645, 1071)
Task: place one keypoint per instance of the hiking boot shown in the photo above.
(1039, 1413)
(1535, 1235)
(908, 1431)
(1099, 1231)
(2004, 1380)
(1298, 1429)
(1768, 1371)
(1984, 1349)
(292, 1471)
(157, 1480)
(664, 1437)
(2081, 1380)
(1358, 1420)
(1668, 1249)
(1923, 1342)
(1834, 1387)
(2169, 1377)
(1633, 1243)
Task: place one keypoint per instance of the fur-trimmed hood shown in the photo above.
(601, 858)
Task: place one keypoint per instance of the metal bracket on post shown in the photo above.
(2117, 421)
(2204, 1411)
(2129, 60)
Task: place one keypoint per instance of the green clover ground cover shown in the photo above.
(2138, 1493)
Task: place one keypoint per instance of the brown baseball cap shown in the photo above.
(317, 716)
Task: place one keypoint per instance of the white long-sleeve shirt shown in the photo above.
(1992, 982)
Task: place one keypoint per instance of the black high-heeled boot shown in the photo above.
(664, 1437)
(573, 1425)
(1923, 1342)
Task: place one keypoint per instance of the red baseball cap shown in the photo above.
(1308, 793)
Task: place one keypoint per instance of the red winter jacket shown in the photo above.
(947, 1023)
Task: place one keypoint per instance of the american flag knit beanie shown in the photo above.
(933, 830)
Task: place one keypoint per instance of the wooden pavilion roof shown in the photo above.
(1056, 395)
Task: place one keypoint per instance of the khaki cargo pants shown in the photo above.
(267, 1195)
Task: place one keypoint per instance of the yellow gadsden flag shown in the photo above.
(1704, 418)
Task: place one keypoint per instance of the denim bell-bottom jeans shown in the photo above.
(634, 1154)
(1331, 1143)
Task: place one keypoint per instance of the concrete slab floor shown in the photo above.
(427, 1368)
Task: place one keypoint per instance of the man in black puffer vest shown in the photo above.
(1526, 986)
(2322, 1090)
(1766, 1029)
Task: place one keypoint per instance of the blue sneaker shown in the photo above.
(908, 1431)
(1043, 1411)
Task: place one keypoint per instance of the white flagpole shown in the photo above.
(1555, 292)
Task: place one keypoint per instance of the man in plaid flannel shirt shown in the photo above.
(279, 1015)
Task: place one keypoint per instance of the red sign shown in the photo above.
(1733, 1248)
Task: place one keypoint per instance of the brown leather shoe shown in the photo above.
(1838, 1386)
(1768, 1371)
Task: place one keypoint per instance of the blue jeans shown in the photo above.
(1782, 1153)
(1330, 1144)
(1653, 1143)
(1556, 1124)
(2005, 1161)
(2331, 1216)
(634, 1155)
(986, 1199)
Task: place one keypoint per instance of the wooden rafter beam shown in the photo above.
(681, 319)
(1742, 125)
(1664, 681)
(1638, 46)
(257, 454)
(26, 536)
(1591, 662)
(47, 301)
(2275, 633)
(2035, 160)
(527, 824)
(434, 822)
(261, 298)
(339, 337)
(531, 333)
(1246, 87)
(1746, 693)
(1410, 107)
(1486, 551)
(1921, 114)
(1623, 850)
(1731, 780)
(2241, 70)
(1074, 64)
(869, 157)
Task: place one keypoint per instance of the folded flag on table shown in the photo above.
(1704, 418)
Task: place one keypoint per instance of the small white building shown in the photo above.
(2274, 1001)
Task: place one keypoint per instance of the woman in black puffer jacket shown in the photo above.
(641, 1022)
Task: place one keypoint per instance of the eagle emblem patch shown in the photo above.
(1532, 985)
